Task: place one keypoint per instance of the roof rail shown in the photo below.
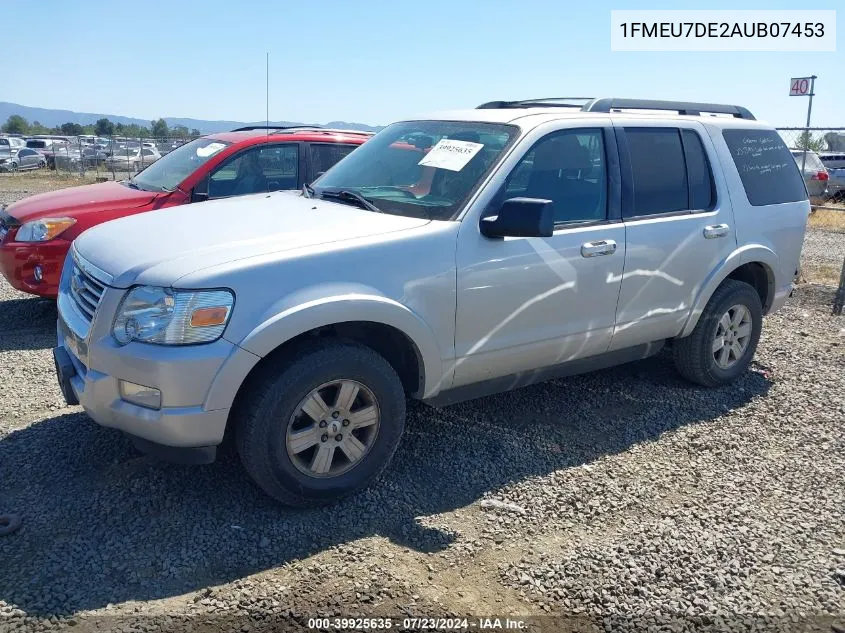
(545, 102)
(608, 104)
(249, 128)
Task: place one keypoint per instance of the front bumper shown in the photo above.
(198, 383)
(19, 259)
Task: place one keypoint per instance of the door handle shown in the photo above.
(599, 247)
(716, 230)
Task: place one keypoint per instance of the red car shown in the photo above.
(36, 232)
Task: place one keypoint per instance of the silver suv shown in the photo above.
(447, 258)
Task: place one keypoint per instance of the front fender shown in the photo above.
(744, 255)
(305, 316)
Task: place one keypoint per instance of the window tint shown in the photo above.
(325, 155)
(262, 168)
(569, 169)
(27, 152)
(767, 169)
(659, 174)
(701, 187)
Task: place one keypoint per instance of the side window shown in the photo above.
(702, 194)
(658, 169)
(568, 168)
(325, 155)
(260, 168)
(768, 172)
(280, 166)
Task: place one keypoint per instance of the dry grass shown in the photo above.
(823, 273)
(828, 219)
(46, 180)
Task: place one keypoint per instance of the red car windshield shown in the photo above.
(171, 169)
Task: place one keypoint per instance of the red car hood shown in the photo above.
(76, 201)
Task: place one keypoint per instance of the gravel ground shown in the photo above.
(619, 500)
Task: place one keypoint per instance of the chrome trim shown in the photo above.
(73, 316)
(98, 274)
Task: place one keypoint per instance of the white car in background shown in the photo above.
(132, 158)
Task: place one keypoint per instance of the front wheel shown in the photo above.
(725, 338)
(323, 425)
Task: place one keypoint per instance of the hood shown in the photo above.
(75, 200)
(161, 247)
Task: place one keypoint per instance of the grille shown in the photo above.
(86, 291)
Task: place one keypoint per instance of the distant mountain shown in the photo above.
(52, 118)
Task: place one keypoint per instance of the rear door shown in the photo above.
(678, 225)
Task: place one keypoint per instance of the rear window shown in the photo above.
(36, 144)
(767, 169)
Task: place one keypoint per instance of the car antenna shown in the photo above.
(267, 92)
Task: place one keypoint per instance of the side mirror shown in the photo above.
(521, 217)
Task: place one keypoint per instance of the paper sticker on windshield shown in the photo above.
(208, 150)
(450, 154)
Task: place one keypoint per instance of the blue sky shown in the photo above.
(375, 62)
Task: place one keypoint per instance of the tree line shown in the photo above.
(16, 124)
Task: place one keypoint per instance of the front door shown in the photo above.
(530, 303)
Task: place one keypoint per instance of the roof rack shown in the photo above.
(249, 128)
(545, 102)
(609, 104)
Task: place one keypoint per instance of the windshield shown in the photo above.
(420, 168)
(171, 169)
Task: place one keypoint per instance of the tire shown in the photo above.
(272, 404)
(696, 356)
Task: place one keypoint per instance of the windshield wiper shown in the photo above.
(351, 196)
(130, 183)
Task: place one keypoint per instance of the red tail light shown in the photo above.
(822, 175)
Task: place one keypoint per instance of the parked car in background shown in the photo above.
(11, 145)
(131, 158)
(815, 173)
(94, 155)
(24, 160)
(47, 148)
(834, 162)
(446, 259)
(36, 232)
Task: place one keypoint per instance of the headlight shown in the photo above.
(44, 229)
(172, 317)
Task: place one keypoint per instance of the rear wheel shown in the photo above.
(725, 338)
(323, 425)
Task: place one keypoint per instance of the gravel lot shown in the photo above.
(618, 500)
